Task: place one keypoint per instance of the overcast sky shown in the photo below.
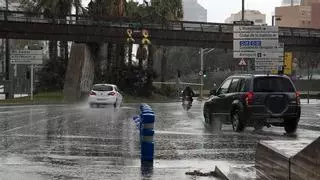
(219, 10)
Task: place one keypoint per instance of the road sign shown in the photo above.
(255, 35)
(242, 63)
(257, 54)
(268, 63)
(265, 68)
(26, 57)
(254, 45)
(253, 29)
(260, 39)
(243, 23)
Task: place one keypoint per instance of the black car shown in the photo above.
(254, 100)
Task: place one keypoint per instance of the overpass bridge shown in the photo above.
(25, 25)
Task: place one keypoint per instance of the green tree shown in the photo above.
(166, 10)
(53, 9)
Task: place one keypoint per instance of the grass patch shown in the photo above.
(40, 98)
(57, 98)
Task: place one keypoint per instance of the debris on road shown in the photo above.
(199, 173)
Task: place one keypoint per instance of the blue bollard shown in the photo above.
(147, 132)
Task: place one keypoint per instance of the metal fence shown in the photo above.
(125, 22)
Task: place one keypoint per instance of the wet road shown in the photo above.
(76, 142)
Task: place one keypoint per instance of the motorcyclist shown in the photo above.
(188, 92)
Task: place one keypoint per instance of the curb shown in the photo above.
(309, 127)
(220, 174)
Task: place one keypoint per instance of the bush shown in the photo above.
(52, 75)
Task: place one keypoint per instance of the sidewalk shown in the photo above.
(310, 115)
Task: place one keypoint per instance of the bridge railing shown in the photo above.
(124, 22)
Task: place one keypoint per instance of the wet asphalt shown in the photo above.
(77, 142)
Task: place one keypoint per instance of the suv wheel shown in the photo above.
(237, 123)
(214, 123)
(290, 125)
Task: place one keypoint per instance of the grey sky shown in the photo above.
(219, 10)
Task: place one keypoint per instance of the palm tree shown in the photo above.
(53, 9)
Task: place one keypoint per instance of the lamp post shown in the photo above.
(202, 53)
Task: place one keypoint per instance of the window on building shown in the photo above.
(258, 21)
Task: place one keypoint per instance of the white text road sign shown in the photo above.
(255, 29)
(254, 45)
(269, 55)
(26, 57)
(26, 62)
(255, 35)
(265, 68)
(257, 55)
(268, 63)
(34, 52)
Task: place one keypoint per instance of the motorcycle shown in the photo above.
(186, 103)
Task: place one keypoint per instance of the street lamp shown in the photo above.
(202, 52)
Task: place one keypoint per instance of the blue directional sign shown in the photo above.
(250, 43)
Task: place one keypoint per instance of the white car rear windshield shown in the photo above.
(102, 88)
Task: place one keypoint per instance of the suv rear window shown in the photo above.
(272, 84)
(102, 88)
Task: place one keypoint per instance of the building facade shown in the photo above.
(251, 15)
(294, 16)
(291, 2)
(309, 2)
(193, 11)
(305, 15)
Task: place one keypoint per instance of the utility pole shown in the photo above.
(8, 87)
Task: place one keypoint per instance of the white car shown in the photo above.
(105, 94)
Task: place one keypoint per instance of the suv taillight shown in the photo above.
(92, 93)
(298, 97)
(112, 94)
(248, 97)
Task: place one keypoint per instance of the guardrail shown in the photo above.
(125, 22)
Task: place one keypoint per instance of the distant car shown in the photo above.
(105, 94)
(254, 100)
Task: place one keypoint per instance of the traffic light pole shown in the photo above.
(201, 70)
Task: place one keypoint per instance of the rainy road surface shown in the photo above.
(76, 142)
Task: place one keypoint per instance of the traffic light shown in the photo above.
(179, 73)
(204, 73)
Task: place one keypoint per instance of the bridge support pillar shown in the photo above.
(80, 73)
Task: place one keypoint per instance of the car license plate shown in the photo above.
(275, 120)
(101, 99)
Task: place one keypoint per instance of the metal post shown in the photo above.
(201, 70)
(31, 82)
(273, 20)
(8, 90)
(242, 12)
(7, 9)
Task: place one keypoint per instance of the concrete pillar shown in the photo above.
(80, 73)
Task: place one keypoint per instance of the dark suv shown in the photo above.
(254, 100)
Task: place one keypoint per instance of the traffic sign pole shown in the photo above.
(31, 82)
